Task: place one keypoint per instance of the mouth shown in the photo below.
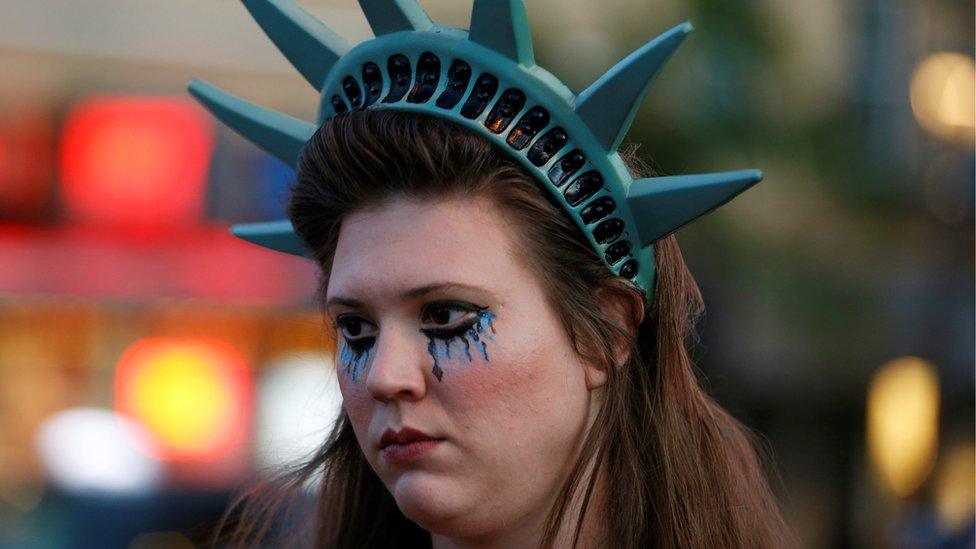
(406, 445)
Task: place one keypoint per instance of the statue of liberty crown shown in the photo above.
(486, 79)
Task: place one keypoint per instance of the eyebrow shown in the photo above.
(412, 293)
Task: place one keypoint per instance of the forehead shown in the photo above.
(385, 250)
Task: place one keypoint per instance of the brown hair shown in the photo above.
(679, 471)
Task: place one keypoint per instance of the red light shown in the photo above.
(26, 150)
(136, 161)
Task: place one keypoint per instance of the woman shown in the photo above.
(511, 355)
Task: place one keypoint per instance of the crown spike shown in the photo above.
(389, 16)
(608, 106)
(503, 26)
(662, 205)
(279, 134)
(275, 235)
(310, 46)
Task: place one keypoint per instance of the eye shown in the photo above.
(449, 318)
(354, 328)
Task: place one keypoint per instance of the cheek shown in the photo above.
(530, 392)
(356, 402)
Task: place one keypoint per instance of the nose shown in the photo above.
(397, 371)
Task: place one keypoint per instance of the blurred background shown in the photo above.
(150, 363)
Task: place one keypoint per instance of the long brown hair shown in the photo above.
(678, 470)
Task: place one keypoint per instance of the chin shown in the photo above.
(434, 503)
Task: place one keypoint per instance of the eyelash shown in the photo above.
(357, 344)
(451, 332)
(361, 344)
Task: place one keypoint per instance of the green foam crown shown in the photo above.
(486, 79)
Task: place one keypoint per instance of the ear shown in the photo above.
(625, 309)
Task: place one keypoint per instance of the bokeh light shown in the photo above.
(26, 145)
(193, 394)
(136, 161)
(92, 450)
(298, 403)
(943, 92)
(955, 486)
(903, 423)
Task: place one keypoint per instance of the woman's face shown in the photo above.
(462, 386)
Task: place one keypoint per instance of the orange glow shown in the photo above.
(942, 94)
(903, 423)
(954, 489)
(193, 394)
(136, 161)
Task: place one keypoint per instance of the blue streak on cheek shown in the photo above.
(353, 362)
(432, 349)
(480, 332)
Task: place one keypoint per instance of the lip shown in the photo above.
(406, 445)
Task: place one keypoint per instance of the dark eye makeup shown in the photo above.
(438, 313)
(443, 319)
(351, 327)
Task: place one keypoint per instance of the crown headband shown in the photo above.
(486, 79)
